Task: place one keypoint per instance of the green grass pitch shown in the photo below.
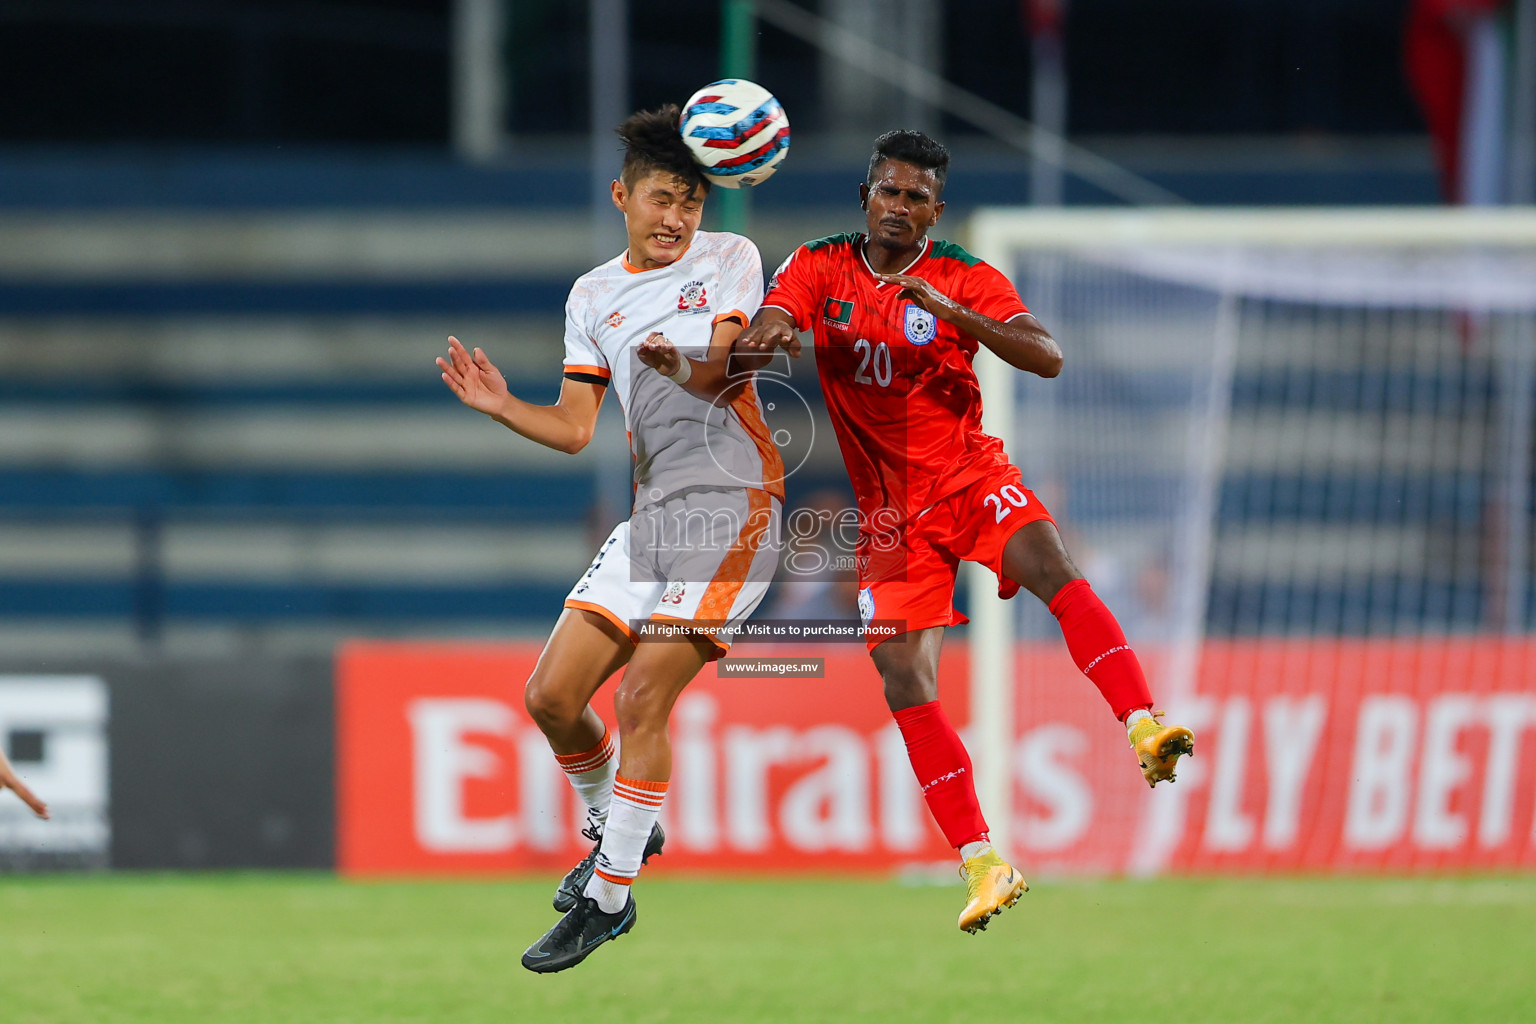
(291, 948)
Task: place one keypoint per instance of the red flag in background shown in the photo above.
(1437, 43)
(1045, 21)
(1045, 17)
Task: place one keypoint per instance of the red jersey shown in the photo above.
(898, 381)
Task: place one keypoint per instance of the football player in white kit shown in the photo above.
(8, 780)
(670, 586)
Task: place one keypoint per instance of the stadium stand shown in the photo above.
(219, 423)
(225, 428)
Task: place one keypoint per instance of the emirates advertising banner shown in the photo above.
(1311, 756)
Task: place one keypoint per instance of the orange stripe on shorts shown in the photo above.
(721, 592)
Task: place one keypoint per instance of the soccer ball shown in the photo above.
(737, 132)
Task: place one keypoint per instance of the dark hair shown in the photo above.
(910, 147)
(653, 142)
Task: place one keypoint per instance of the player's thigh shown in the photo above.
(583, 651)
(1000, 523)
(909, 667)
(906, 584)
(657, 674)
(594, 636)
(1036, 558)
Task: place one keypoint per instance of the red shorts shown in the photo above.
(907, 579)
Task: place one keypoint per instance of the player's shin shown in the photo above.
(631, 816)
(1099, 648)
(591, 774)
(943, 769)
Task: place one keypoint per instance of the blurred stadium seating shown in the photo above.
(222, 425)
(221, 421)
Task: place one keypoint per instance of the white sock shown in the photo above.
(975, 849)
(591, 773)
(635, 806)
(1136, 716)
(611, 896)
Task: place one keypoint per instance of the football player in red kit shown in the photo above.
(897, 319)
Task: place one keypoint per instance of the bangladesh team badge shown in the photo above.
(921, 325)
(867, 604)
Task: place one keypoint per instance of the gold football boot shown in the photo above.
(991, 884)
(1158, 747)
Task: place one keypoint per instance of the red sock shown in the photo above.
(943, 769)
(1098, 648)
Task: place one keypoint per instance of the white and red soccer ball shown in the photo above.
(737, 132)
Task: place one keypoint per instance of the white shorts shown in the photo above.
(702, 558)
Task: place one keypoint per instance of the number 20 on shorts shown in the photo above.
(1016, 498)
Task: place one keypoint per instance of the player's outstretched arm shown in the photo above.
(8, 780)
(771, 329)
(566, 426)
(1021, 342)
(717, 378)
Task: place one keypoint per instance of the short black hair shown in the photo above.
(653, 141)
(910, 147)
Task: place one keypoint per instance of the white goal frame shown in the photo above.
(999, 235)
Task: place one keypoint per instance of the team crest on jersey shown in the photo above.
(773, 282)
(867, 604)
(921, 325)
(837, 313)
(693, 298)
(675, 591)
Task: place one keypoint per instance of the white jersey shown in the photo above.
(679, 442)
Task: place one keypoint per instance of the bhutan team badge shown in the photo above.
(693, 298)
(921, 325)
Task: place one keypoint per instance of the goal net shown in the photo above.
(1292, 452)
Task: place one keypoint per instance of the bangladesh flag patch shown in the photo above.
(837, 313)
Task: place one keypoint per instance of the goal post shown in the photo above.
(1310, 423)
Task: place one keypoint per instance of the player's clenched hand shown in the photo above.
(8, 780)
(922, 294)
(765, 336)
(474, 378)
(660, 354)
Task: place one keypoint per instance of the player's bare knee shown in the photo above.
(907, 686)
(1051, 578)
(1036, 560)
(640, 703)
(549, 706)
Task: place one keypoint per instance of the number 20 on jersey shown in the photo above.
(876, 361)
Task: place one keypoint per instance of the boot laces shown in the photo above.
(572, 923)
(973, 871)
(593, 829)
